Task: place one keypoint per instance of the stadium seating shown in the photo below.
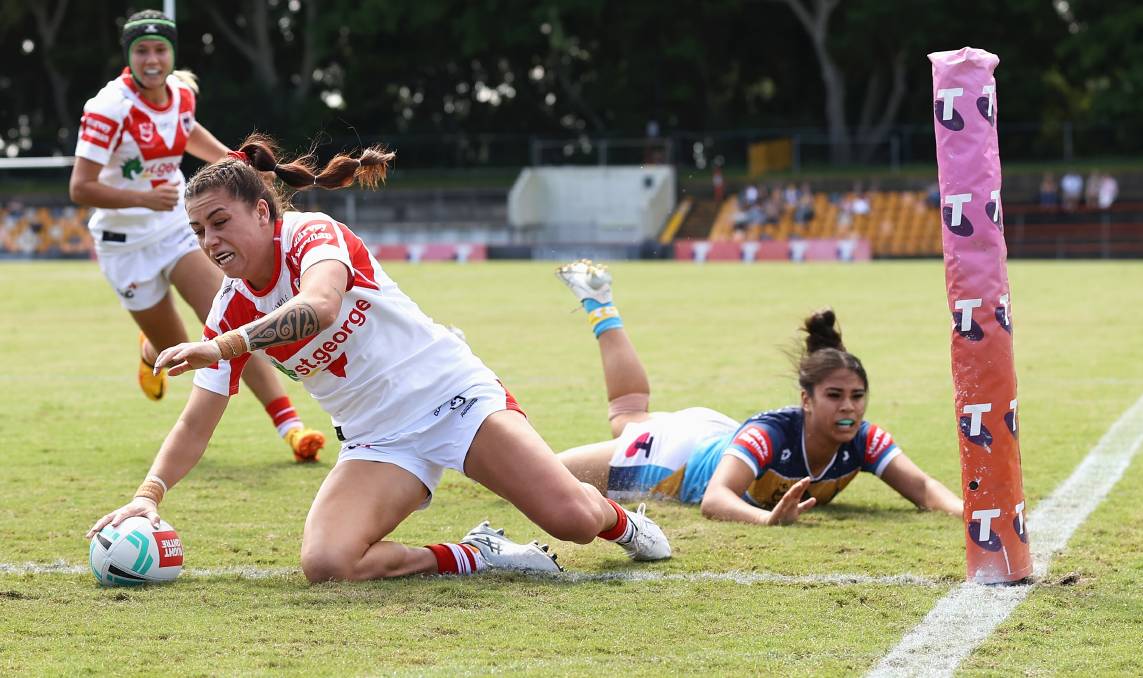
(44, 232)
(899, 224)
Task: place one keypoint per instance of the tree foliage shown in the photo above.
(431, 69)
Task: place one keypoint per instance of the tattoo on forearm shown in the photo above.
(293, 322)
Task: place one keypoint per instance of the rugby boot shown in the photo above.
(306, 443)
(500, 552)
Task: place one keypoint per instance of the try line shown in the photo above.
(61, 567)
(964, 618)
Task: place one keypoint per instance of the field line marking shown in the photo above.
(634, 576)
(964, 618)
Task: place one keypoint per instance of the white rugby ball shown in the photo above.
(136, 553)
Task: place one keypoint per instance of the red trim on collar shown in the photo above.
(277, 264)
(129, 80)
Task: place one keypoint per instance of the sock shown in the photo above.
(602, 317)
(283, 414)
(623, 527)
(457, 558)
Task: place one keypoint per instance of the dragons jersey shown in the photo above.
(772, 445)
(381, 365)
(140, 147)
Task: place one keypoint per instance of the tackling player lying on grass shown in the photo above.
(408, 398)
(768, 469)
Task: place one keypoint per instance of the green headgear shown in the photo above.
(147, 25)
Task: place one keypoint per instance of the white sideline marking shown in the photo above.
(61, 567)
(964, 618)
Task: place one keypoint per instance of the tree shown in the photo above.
(880, 46)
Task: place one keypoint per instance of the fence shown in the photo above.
(686, 149)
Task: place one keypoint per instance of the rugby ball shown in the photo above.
(136, 553)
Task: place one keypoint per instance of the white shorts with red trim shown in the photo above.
(142, 277)
(438, 440)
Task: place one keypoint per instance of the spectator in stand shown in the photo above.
(27, 240)
(749, 196)
(804, 210)
(790, 195)
(750, 212)
(741, 216)
(1107, 192)
(933, 195)
(1049, 194)
(860, 204)
(772, 209)
(55, 236)
(1071, 189)
(15, 209)
(1091, 189)
(718, 183)
(8, 233)
(845, 216)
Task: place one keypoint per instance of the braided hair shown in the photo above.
(249, 173)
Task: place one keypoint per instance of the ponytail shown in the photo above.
(369, 168)
(249, 172)
(188, 78)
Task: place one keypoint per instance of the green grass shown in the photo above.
(79, 437)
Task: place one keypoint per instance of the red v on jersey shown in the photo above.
(151, 127)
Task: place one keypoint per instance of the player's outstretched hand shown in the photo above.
(190, 356)
(789, 507)
(138, 506)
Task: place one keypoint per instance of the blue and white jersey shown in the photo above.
(772, 444)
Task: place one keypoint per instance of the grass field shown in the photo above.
(78, 437)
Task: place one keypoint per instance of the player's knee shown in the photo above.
(321, 566)
(321, 563)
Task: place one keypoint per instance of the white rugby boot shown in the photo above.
(587, 280)
(646, 541)
(501, 553)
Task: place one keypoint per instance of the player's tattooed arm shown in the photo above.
(323, 287)
(292, 322)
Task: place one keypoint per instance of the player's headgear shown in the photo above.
(149, 24)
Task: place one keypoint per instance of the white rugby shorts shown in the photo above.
(141, 277)
(665, 441)
(438, 440)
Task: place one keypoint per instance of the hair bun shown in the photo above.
(822, 331)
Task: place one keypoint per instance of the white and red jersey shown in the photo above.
(140, 146)
(381, 365)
